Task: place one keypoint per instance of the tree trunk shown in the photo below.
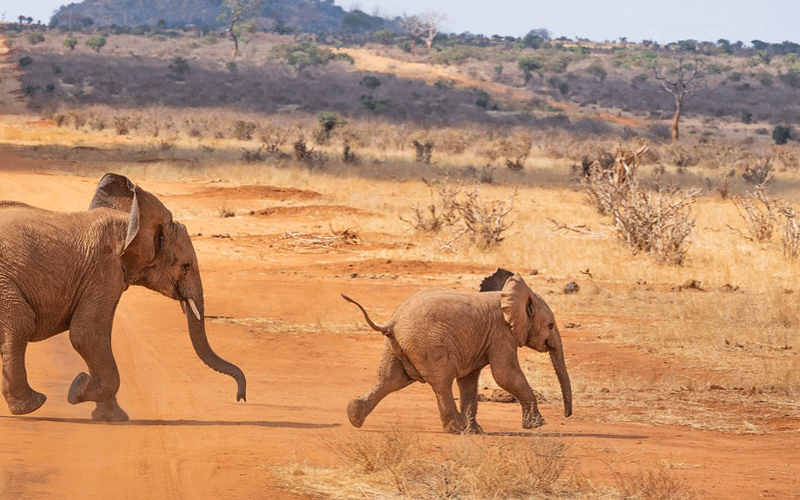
(235, 51)
(675, 120)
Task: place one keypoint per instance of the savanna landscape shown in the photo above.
(310, 166)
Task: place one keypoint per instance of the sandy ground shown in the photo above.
(278, 315)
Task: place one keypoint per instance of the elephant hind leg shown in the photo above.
(20, 397)
(468, 393)
(452, 420)
(391, 377)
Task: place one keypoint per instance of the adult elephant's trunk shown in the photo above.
(195, 318)
(557, 357)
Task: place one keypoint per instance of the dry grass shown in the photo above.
(397, 463)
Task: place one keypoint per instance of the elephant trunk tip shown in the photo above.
(241, 394)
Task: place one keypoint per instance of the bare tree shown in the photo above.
(424, 26)
(681, 82)
(238, 15)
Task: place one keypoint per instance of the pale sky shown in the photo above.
(662, 21)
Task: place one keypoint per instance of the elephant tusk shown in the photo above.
(194, 308)
(183, 307)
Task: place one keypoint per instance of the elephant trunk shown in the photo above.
(557, 357)
(195, 318)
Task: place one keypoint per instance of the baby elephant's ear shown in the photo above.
(516, 301)
(495, 282)
(113, 191)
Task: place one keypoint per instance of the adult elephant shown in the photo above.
(66, 271)
(438, 336)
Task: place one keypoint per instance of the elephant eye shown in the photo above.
(551, 325)
(159, 240)
(186, 267)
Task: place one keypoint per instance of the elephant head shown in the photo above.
(158, 254)
(532, 324)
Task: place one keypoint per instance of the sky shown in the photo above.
(772, 21)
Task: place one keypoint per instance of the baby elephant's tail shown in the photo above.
(378, 328)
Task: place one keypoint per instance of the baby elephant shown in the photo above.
(437, 336)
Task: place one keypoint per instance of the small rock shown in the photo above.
(571, 288)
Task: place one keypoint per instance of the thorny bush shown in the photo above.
(656, 220)
(460, 212)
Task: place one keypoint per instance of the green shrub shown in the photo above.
(179, 68)
(35, 37)
(483, 99)
(371, 104)
(70, 42)
(597, 70)
(25, 61)
(528, 65)
(385, 36)
(781, 134)
(459, 54)
(304, 54)
(96, 43)
(791, 78)
(328, 120)
(747, 116)
(370, 82)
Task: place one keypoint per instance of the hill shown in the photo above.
(284, 16)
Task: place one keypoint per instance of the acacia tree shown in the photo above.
(682, 81)
(424, 26)
(239, 15)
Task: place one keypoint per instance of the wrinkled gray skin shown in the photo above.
(437, 336)
(66, 271)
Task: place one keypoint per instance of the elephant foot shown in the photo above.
(355, 412)
(78, 388)
(474, 428)
(32, 402)
(109, 411)
(533, 421)
(458, 425)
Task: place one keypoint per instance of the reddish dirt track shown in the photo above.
(189, 439)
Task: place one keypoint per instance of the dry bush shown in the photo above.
(656, 221)
(440, 212)
(652, 485)
(758, 173)
(760, 212)
(790, 233)
(462, 212)
(468, 469)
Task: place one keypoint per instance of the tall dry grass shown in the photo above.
(397, 463)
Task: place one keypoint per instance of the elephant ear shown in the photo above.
(516, 302)
(113, 191)
(145, 232)
(495, 282)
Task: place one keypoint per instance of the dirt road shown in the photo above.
(276, 312)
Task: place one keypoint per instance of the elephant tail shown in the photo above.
(384, 329)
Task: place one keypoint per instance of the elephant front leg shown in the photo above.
(509, 376)
(468, 393)
(102, 382)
